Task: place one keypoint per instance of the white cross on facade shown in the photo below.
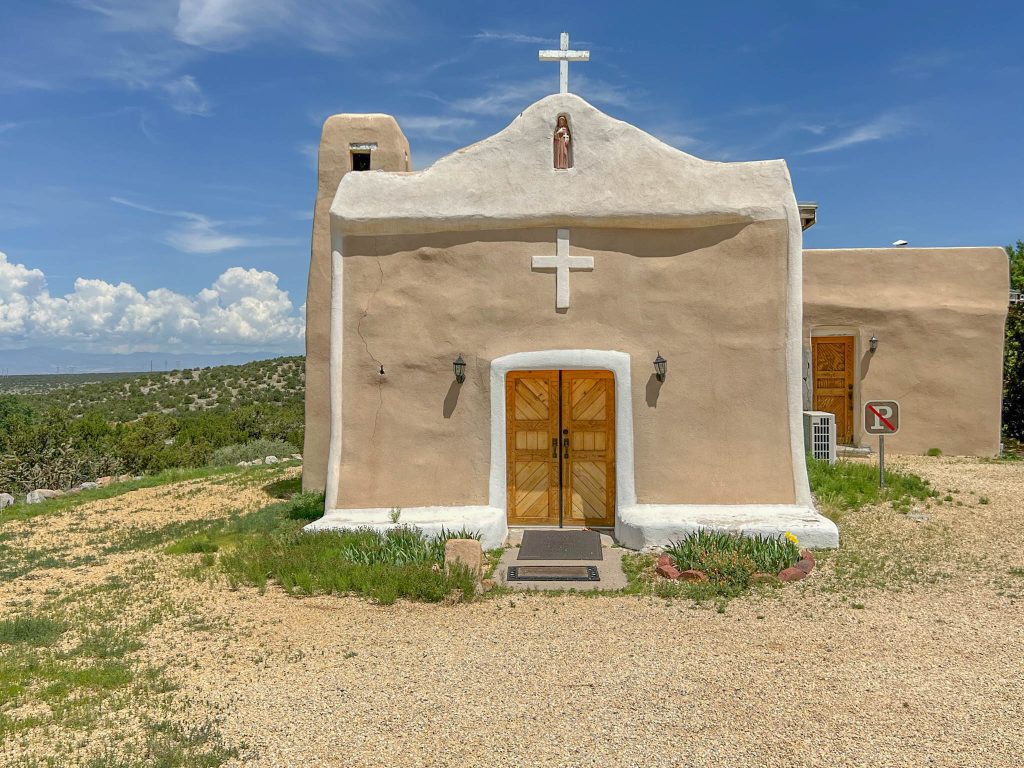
(563, 56)
(562, 262)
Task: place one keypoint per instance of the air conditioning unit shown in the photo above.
(820, 435)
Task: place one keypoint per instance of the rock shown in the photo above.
(693, 575)
(297, 456)
(88, 486)
(105, 480)
(919, 517)
(791, 574)
(668, 572)
(271, 460)
(242, 464)
(806, 554)
(42, 494)
(806, 565)
(6, 500)
(487, 585)
(665, 560)
(466, 552)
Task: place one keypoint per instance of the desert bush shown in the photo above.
(255, 449)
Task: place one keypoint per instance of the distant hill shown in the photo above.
(48, 360)
(124, 397)
(59, 430)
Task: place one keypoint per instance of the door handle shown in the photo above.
(565, 447)
(554, 447)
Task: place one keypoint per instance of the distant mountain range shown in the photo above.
(40, 360)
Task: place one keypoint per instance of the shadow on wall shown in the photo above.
(653, 391)
(451, 399)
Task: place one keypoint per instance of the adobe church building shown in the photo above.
(571, 323)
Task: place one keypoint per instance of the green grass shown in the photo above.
(933, 452)
(269, 546)
(848, 485)
(34, 631)
(91, 681)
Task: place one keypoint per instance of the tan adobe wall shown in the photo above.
(334, 161)
(939, 315)
(712, 300)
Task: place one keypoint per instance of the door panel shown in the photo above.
(833, 381)
(561, 447)
(588, 413)
(533, 447)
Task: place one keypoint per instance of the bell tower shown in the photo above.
(349, 143)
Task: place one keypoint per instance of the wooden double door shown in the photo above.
(560, 447)
(832, 377)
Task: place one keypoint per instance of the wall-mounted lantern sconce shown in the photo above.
(660, 367)
(873, 343)
(460, 369)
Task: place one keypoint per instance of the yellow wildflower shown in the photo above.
(791, 537)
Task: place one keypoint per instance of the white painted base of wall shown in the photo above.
(489, 522)
(639, 526)
(652, 526)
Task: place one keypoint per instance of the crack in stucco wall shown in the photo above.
(366, 346)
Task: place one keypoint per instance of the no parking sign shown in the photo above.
(881, 417)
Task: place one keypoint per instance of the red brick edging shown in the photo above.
(801, 570)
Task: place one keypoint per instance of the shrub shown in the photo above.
(256, 449)
(933, 452)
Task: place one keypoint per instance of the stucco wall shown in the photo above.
(712, 300)
(939, 315)
(334, 161)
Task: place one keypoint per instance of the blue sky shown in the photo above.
(157, 156)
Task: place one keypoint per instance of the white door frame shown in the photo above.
(565, 359)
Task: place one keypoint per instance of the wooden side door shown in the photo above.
(832, 374)
(588, 467)
(533, 447)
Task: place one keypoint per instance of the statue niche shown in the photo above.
(563, 143)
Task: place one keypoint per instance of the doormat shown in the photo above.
(552, 573)
(560, 545)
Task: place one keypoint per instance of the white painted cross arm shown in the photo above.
(563, 56)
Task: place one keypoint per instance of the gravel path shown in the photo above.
(904, 649)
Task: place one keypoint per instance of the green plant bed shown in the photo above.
(731, 560)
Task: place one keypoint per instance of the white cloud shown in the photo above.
(186, 97)
(329, 26)
(201, 234)
(513, 37)
(882, 127)
(243, 309)
(436, 127)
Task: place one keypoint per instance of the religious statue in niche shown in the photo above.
(563, 143)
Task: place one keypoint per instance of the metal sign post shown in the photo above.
(881, 417)
(881, 461)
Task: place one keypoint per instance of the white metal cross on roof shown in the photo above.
(563, 56)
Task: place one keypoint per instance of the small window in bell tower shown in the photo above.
(360, 161)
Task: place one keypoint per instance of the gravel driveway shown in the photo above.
(904, 649)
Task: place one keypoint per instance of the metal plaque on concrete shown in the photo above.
(881, 417)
